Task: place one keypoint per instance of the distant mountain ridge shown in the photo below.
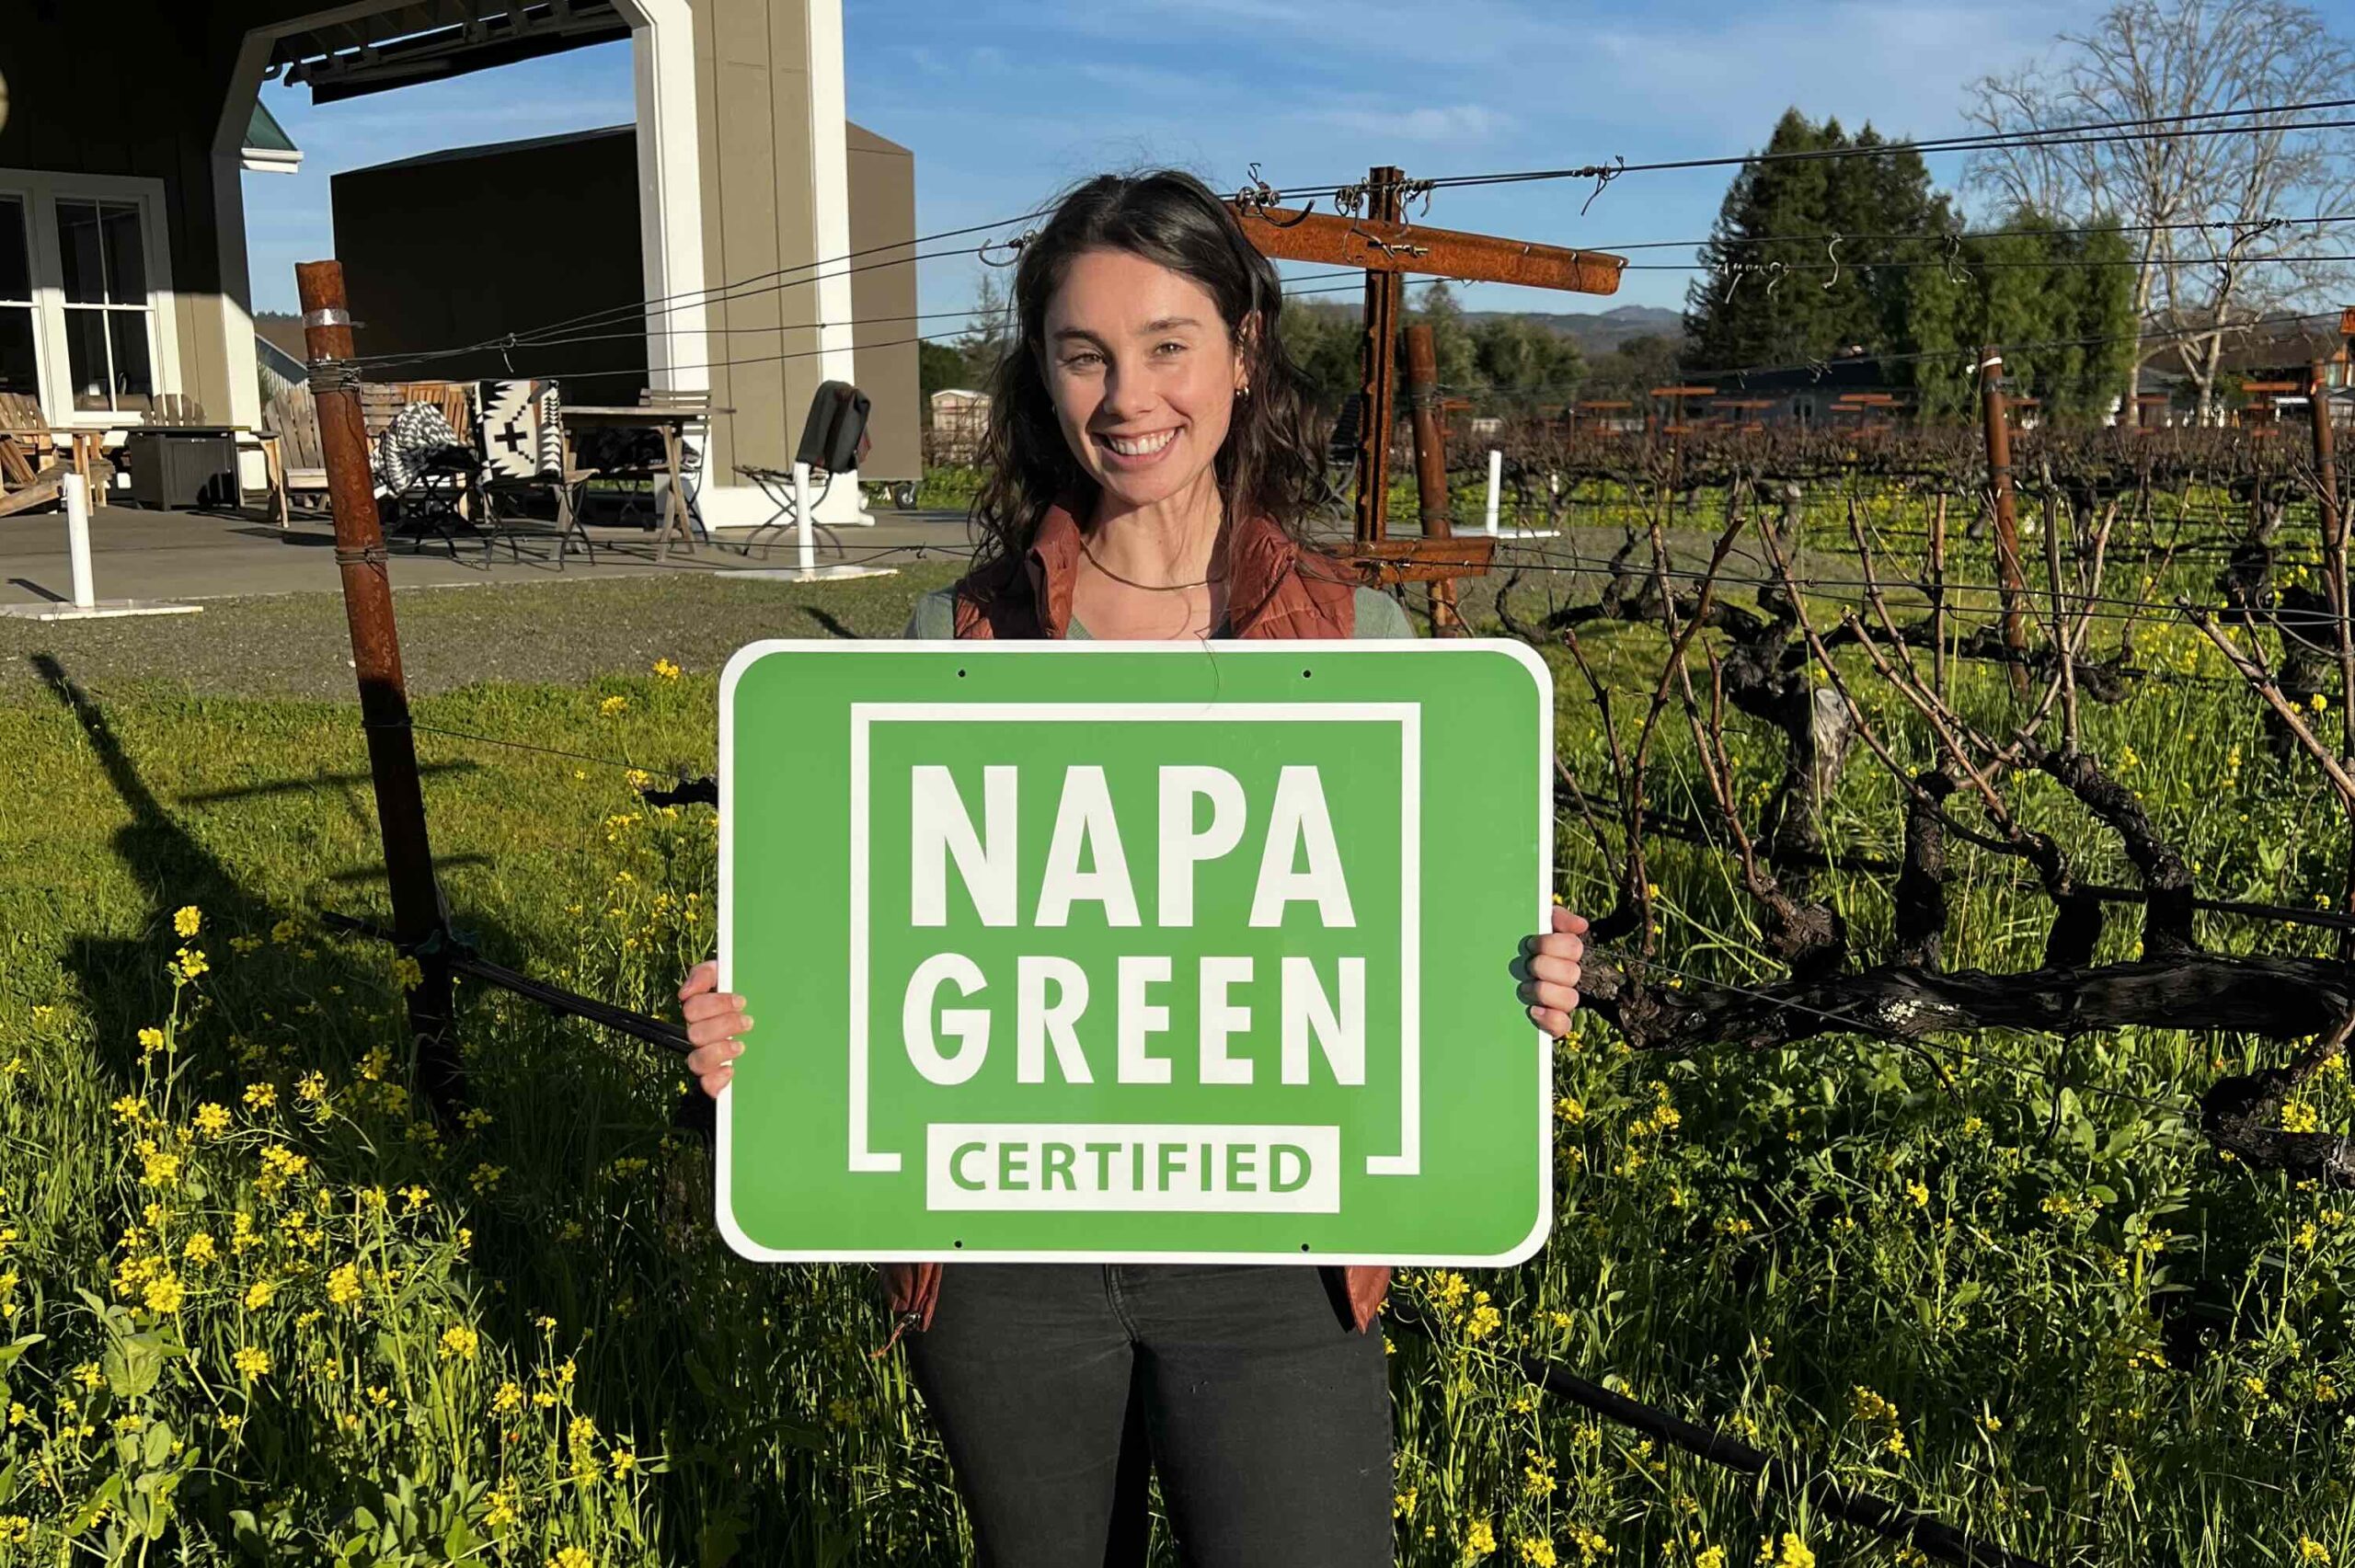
(1598, 332)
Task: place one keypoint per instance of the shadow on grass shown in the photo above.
(682, 1343)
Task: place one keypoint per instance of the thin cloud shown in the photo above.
(1450, 122)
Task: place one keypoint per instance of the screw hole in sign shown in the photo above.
(1306, 674)
(1303, 1246)
(960, 675)
(957, 1243)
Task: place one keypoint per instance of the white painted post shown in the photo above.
(1496, 505)
(74, 491)
(77, 540)
(806, 549)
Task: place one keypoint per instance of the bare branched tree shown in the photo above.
(2172, 62)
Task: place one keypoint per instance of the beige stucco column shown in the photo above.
(773, 185)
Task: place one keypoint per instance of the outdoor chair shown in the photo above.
(426, 469)
(776, 484)
(656, 442)
(694, 431)
(33, 466)
(521, 434)
(834, 440)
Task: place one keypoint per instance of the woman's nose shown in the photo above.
(1125, 393)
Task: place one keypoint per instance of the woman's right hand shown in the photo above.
(714, 1020)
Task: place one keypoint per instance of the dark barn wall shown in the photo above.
(455, 248)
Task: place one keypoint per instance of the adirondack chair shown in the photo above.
(35, 456)
(293, 421)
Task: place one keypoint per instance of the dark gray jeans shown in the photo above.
(1266, 1414)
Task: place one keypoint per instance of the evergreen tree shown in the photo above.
(1762, 297)
(2057, 304)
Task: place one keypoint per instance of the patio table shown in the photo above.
(671, 423)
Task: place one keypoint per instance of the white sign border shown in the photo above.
(1542, 677)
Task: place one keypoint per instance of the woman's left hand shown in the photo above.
(1549, 968)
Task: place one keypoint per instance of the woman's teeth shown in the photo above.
(1140, 446)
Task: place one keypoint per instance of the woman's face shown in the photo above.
(1142, 372)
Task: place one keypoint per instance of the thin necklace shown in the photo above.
(1147, 587)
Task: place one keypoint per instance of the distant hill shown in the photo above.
(1599, 332)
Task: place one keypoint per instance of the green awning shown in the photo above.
(267, 149)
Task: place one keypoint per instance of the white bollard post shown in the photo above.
(1496, 504)
(77, 540)
(73, 491)
(806, 548)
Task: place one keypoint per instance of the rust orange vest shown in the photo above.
(1275, 588)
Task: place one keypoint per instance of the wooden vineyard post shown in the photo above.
(2332, 517)
(1675, 431)
(419, 924)
(1386, 246)
(1431, 467)
(2013, 586)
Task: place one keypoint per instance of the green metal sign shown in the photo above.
(1127, 951)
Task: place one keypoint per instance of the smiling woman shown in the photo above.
(1153, 384)
(1148, 469)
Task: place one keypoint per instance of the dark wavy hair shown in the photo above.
(1268, 464)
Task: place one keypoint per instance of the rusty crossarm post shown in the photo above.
(2013, 586)
(418, 914)
(1384, 246)
(1431, 466)
(1381, 243)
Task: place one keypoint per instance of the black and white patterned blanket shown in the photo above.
(522, 430)
(419, 437)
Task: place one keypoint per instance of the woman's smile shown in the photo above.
(1133, 452)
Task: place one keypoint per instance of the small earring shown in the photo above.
(1243, 391)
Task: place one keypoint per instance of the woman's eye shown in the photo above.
(1172, 346)
(1082, 360)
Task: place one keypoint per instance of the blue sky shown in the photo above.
(1004, 101)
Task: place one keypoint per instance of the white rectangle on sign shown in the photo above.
(1185, 1168)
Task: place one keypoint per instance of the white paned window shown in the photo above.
(108, 316)
(86, 314)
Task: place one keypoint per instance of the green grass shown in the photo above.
(2046, 1314)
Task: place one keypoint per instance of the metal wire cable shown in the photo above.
(2070, 135)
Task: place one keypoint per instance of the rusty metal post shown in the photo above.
(418, 914)
(2009, 577)
(1431, 466)
(1386, 295)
